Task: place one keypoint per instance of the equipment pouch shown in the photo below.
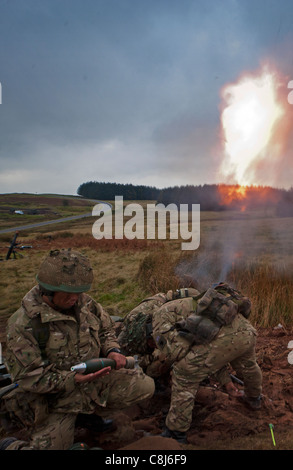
(197, 329)
(217, 307)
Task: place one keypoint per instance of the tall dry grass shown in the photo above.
(269, 287)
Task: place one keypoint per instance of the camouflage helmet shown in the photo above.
(136, 331)
(65, 270)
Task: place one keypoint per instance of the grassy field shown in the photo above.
(38, 208)
(251, 250)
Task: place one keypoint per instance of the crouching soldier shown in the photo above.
(200, 336)
(58, 326)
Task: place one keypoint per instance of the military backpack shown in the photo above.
(214, 308)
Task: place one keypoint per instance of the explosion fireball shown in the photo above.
(251, 113)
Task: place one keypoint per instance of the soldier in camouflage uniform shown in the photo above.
(200, 337)
(49, 395)
(136, 334)
(196, 337)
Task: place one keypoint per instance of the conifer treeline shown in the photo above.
(211, 197)
(108, 191)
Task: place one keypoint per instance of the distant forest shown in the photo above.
(108, 191)
(211, 197)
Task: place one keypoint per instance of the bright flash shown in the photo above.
(250, 113)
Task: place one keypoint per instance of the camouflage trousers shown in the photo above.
(202, 361)
(118, 390)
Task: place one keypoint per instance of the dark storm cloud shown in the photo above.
(125, 91)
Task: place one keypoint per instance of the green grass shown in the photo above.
(52, 206)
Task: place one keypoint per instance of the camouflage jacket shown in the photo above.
(85, 334)
(175, 346)
(133, 338)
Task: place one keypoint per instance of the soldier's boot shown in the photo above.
(94, 423)
(4, 443)
(11, 443)
(178, 435)
(253, 402)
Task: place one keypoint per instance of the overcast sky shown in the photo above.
(126, 91)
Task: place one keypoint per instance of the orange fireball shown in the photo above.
(233, 195)
(252, 111)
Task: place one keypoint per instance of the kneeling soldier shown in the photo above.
(58, 326)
